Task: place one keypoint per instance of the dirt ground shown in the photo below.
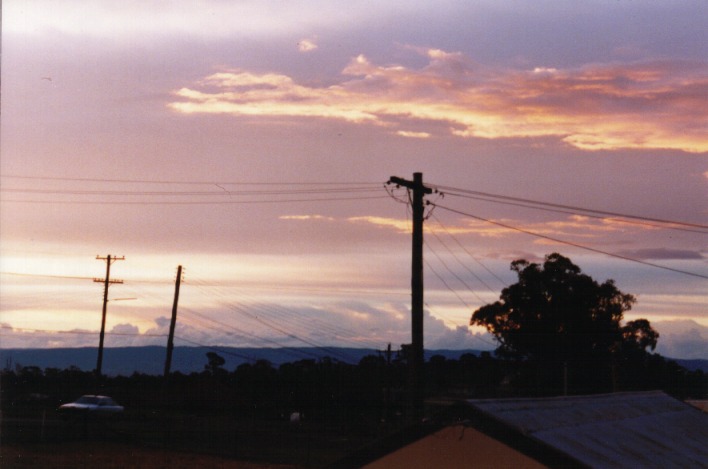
(90, 455)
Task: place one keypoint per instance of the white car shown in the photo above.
(93, 405)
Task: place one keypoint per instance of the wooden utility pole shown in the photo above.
(106, 282)
(416, 359)
(170, 338)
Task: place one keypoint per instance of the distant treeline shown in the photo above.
(375, 388)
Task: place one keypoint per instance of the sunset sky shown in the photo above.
(251, 143)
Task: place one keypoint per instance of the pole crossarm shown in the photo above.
(103, 280)
(110, 258)
(414, 185)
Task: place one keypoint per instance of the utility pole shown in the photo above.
(170, 339)
(416, 359)
(106, 282)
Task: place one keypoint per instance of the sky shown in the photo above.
(251, 143)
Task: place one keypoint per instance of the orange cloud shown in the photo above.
(573, 226)
(658, 104)
(402, 226)
(306, 217)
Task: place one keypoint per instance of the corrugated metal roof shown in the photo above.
(646, 429)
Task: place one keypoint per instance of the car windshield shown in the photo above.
(87, 400)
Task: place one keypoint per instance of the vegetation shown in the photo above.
(350, 397)
(246, 413)
(568, 327)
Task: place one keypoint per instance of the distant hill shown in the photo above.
(151, 360)
(693, 364)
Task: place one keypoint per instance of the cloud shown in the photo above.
(652, 104)
(352, 323)
(306, 217)
(13, 337)
(682, 339)
(572, 226)
(401, 226)
(306, 45)
(413, 134)
(497, 228)
(125, 329)
(461, 338)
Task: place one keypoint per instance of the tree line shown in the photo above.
(375, 388)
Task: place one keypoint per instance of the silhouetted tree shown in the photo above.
(637, 335)
(214, 365)
(566, 323)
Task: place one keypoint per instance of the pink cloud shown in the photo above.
(657, 104)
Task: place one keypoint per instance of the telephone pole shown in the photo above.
(106, 282)
(170, 339)
(416, 359)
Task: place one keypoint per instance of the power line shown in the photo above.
(250, 312)
(289, 334)
(216, 349)
(574, 209)
(329, 291)
(454, 274)
(292, 318)
(444, 282)
(226, 193)
(588, 215)
(569, 243)
(457, 241)
(134, 334)
(79, 332)
(20, 274)
(292, 350)
(188, 182)
(222, 193)
(479, 279)
(206, 202)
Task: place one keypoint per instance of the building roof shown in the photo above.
(643, 429)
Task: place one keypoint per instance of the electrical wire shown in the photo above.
(479, 279)
(569, 243)
(474, 258)
(250, 311)
(454, 274)
(286, 316)
(477, 195)
(188, 182)
(68, 277)
(235, 192)
(222, 193)
(447, 285)
(217, 349)
(79, 332)
(206, 202)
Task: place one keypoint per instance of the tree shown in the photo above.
(214, 365)
(637, 335)
(564, 322)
